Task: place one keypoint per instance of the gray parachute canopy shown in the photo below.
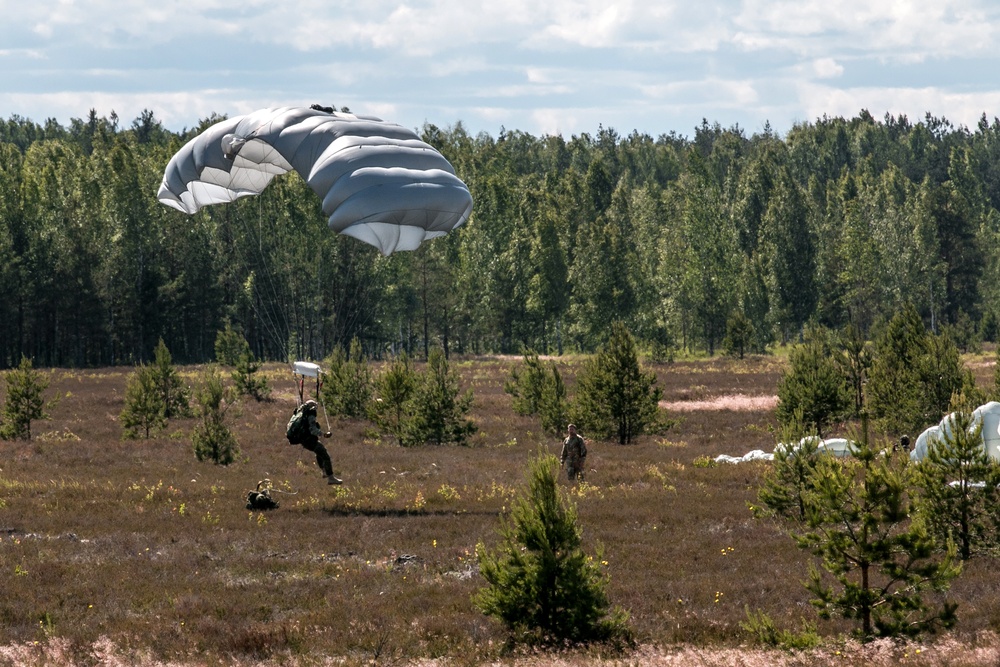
(378, 181)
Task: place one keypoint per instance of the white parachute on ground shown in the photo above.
(377, 180)
(988, 415)
(838, 447)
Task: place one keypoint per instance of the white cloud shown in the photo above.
(961, 108)
(827, 68)
(546, 67)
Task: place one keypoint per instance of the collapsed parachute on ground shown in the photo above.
(377, 180)
(838, 447)
(988, 415)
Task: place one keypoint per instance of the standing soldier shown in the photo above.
(574, 454)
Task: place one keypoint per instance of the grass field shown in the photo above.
(133, 552)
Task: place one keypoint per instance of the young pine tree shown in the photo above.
(913, 375)
(247, 379)
(553, 408)
(958, 488)
(812, 389)
(347, 387)
(394, 389)
(787, 484)
(540, 582)
(439, 407)
(212, 438)
(144, 411)
(175, 394)
(230, 345)
(525, 384)
(880, 563)
(854, 360)
(615, 396)
(25, 401)
(740, 335)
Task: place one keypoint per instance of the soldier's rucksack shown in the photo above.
(297, 429)
(261, 498)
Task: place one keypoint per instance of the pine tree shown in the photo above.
(812, 387)
(212, 438)
(144, 411)
(439, 408)
(230, 345)
(247, 381)
(540, 582)
(174, 393)
(347, 387)
(787, 484)
(615, 396)
(880, 563)
(25, 401)
(855, 361)
(394, 389)
(913, 375)
(958, 482)
(739, 335)
(525, 384)
(553, 408)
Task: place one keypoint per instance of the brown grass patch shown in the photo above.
(736, 402)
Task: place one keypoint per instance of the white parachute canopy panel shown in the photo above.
(377, 180)
(988, 415)
(306, 369)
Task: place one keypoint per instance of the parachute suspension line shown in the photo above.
(322, 403)
(263, 315)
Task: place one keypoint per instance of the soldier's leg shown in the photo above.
(322, 457)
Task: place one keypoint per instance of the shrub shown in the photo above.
(144, 411)
(762, 628)
(212, 439)
(25, 401)
(540, 582)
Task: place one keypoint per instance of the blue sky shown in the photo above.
(544, 67)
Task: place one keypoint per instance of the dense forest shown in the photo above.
(840, 221)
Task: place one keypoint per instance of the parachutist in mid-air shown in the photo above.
(303, 429)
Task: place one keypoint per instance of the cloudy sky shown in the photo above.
(540, 66)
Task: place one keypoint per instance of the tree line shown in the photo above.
(683, 239)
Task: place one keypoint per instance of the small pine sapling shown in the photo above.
(25, 401)
(540, 583)
(212, 438)
(144, 411)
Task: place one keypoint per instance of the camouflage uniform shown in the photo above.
(312, 443)
(574, 456)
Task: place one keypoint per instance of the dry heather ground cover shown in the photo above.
(117, 552)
